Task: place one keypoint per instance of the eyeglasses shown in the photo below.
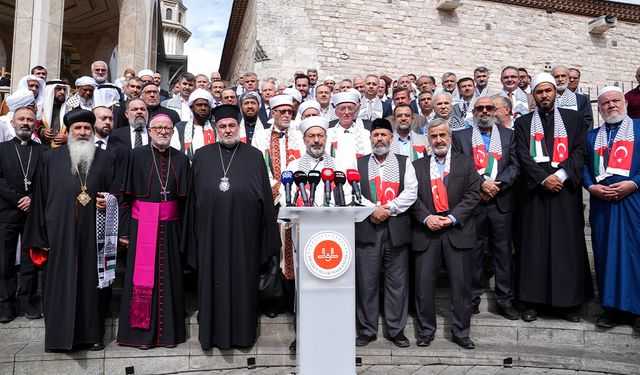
(162, 129)
(482, 108)
(284, 111)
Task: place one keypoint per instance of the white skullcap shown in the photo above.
(542, 78)
(356, 94)
(295, 94)
(86, 81)
(106, 96)
(20, 98)
(145, 72)
(344, 97)
(279, 100)
(200, 94)
(607, 89)
(312, 121)
(308, 104)
(330, 78)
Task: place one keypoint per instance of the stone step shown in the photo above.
(272, 351)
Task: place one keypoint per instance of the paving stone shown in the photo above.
(147, 365)
(550, 336)
(35, 352)
(8, 350)
(62, 367)
(482, 370)
(113, 350)
(456, 370)
(404, 370)
(431, 370)
(612, 341)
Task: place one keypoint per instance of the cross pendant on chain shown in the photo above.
(164, 194)
(26, 183)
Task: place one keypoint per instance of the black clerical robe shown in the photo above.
(73, 304)
(141, 185)
(551, 249)
(229, 235)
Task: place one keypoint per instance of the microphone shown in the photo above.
(300, 178)
(314, 178)
(287, 179)
(327, 177)
(338, 194)
(353, 177)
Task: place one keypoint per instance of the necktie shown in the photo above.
(274, 155)
(511, 98)
(138, 142)
(100, 144)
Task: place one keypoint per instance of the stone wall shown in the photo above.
(244, 45)
(397, 36)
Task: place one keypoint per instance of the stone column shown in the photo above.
(37, 37)
(135, 35)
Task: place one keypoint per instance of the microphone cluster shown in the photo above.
(333, 183)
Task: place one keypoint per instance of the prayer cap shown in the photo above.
(310, 122)
(86, 81)
(308, 104)
(225, 111)
(356, 94)
(381, 123)
(542, 78)
(330, 78)
(279, 100)
(20, 98)
(250, 95)
(200, 94)
(145, 72)
(343, 97)
(607, 89)
(78, 115)
(295, 94)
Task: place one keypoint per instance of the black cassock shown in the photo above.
(73, 304)
(140, 182)
(228, 236)
(553, 263)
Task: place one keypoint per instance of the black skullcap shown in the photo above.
(225, 111)
(78, 115)
(381, 123)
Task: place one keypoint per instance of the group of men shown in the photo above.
(453, 173)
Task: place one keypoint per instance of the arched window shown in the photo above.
(169, 14)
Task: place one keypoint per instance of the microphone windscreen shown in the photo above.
(339, 177)
(353, 175)
(313, 177)
(300, 177)
(327, 174)
(286, 177)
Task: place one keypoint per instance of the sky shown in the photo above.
(207, 20)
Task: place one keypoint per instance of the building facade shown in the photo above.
(345, 38)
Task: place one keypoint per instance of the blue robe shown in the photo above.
(615, 233)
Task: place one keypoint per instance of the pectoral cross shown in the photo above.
(26, 183)
(164, 194)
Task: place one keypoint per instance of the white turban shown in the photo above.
(86, 81)
(312, 121)
(145, 72)
(20, 98)
(279, 100)
(607, 89)
(295, 94)
(106, 96)
(330, 78)
(308, 104)
(344, 97)
(200, 94)
(542, 78)
(24, 84)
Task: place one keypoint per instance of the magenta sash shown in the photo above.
(149, 214)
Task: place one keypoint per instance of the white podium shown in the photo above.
(326, 287)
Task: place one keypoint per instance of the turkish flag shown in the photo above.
(621, 155)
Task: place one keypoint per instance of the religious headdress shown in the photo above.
(312, 121)
(381, 123)
(200, 94)
(24, 84)
(542, 78)
(145, 72)
(343, 97)
(607, 89)
(279, 100)
(295, 94)
(79, 115)
(85, 81)
(20, 98)
(225, 111)
(309, 104)
(106, 95)
(250, 95)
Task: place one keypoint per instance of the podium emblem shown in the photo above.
(327, 255)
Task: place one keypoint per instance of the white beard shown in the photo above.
(81, 153)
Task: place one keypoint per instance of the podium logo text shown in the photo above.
(327, 255)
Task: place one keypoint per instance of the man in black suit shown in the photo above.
(134, 135)
(102, 132)
(19, 159)
(568, 99)
(493, 151)
(443, 227)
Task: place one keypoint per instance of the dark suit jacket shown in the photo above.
(584, 107)
(262, 114)
(122, 135)
(508, 165)
(414, 106)
(387, 108)
(366, 123)
(463, 192)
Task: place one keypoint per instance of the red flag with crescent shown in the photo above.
(480, 157)
(621, 155)
(439, 195)
(560, 149)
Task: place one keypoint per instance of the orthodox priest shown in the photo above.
(553, 264)
(230, 232)
(154, 190)
(71, 200)
(612, 176)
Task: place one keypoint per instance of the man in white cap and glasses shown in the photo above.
(612, 177)
(83, 98)
(198, 131)
(347, 139)
(553, 265)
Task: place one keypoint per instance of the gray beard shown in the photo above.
(24, 135)
(315, 152)
(484, 124)
(81, 153)
(609, 119)
(231, 142)
(137, 123)
(380, 150)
